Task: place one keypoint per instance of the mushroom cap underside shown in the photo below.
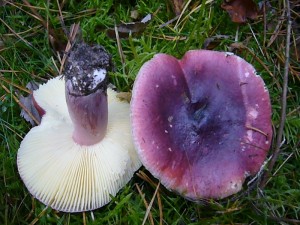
(201, 124)
(69, 177)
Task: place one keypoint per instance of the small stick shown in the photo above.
(73, 32)
(160, 209)
(120, 50)
(15, 85)
(256, 40)
(40, 18)
(39, 216)
(257, 130)
(150, 204)
(83, 218)
(145, 202)
(144, 176)
(283, 98)
(16, 34)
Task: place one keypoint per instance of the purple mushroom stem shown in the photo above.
(86, 92)
(89, 114)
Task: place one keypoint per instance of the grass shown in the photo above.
(26, 54)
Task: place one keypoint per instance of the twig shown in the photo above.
(150, 204)
(120, 50)
(265, 23)
(160, 209)
(40, 18)
(145, 203)
(16, 34)
(83, 218)
(145, 177)
(257, 130)
(73, 32)
(15, 85)
(39, 216)
(283, 98)
(253, 34)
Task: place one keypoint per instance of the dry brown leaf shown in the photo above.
(124, 96)
(177, 6)
(2, 3)
(28, 103)
(127, 29)
(240, 10)
(212, 42)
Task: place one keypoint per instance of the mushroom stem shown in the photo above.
(89, 114)
(86, 96)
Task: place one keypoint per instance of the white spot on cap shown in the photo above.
(173, 164)
(249, 135)
(234, 185)
(246, 74)
(157, 86)
(243, 148)
(170, 149)
(166, 131)
(228, 54)
(174, 80)
(253, 113)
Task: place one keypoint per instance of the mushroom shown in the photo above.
(201, 124)
(82, 153)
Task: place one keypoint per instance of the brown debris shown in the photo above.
(124, 96)
(212, 42)
(177, 6)
(240, 10)
(29, 111)
(124, 30)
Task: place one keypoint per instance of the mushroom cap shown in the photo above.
(201, 124)
(69, 177)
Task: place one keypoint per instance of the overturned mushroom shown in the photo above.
(201, 124)
(82, 152)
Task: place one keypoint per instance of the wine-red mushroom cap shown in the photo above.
(201, 124)
(65, 175)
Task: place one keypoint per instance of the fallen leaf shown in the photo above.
(58, 40)
(240, 10)
(124, 96)
(2, 3)
(177, 6)
(29, 103)
(212, 42)
(237, 47)
(134, 14)
(127, 29)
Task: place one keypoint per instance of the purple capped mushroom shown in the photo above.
(201, 124)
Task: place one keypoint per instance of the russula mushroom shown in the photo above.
(82, 153)
(201, 124)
